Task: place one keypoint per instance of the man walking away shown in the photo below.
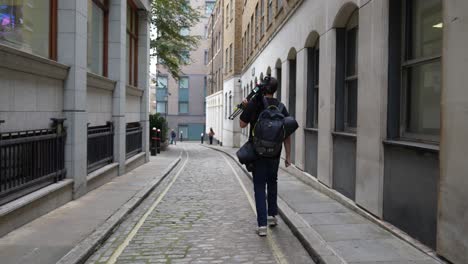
(181, 138)
(202, 138)
(173, 137)
(211, 135)
(265, 170)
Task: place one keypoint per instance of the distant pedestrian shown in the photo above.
(181, 137)
(202, 137)
(173, 137)
(211, 135)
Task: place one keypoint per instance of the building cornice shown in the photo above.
(17, 60)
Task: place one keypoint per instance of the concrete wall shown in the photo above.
(231, 129)
(215, 114)
(452, 240)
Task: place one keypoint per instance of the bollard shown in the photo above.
(153, 142)
(158, 141)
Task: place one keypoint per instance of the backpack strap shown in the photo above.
(265, 102)
(281, 107)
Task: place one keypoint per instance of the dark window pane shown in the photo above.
(351, 52)
(351, 104)
(316, 66)
(424, 29)
(423, 99)
(316, 108)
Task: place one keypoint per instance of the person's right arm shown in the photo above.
(245, 116)
(287, 148)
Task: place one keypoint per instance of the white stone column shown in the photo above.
(372, 105)
(72, 43)
(452, 228)
(301, 106)
(118, 73)
(326, 107)
(143, 75)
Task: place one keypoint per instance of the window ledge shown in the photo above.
(311, 129)
(135, 91)
(344, 134)
(100, 82)
(413, 145)
(18, 60)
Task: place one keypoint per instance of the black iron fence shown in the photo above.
(30, 160)
(100, 146)
(134, 140)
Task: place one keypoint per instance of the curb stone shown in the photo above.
(83, 250)
(317, 248)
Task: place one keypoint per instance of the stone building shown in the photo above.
(232, 91)
(183, 101)
(377, 87)
(214, 99)
(84, 65)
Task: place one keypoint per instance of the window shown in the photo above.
(232, 10)
(183, 95)
(230, 104)
(30, 26)
(351, 71)
(184, 31)
(185, 57)
(161, 82)
(279, 5)
(209, 6)
(183, 107)
(225, 106)
(183, 82)
(161, 107)
(230, 57)
(206, 57)
(312, 86)
(252, 32)
(227, 16)
(257, 32)
(226, 61)
(262, 17)
(270, 12)
(421, 69)
(347, 75)
(132, 44)
(205, 35)
(97, 36)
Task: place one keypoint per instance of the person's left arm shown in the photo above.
(245, 116)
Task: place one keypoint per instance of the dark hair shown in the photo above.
(270, 85)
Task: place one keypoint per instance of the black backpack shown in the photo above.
(269, 133)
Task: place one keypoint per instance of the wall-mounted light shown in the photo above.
(440, 25)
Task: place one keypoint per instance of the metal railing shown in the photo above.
(134, 141)
(100, 146)
(30, 160)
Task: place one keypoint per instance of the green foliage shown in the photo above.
(159, 122)
(169, 17)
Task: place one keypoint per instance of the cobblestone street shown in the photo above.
(205, 217)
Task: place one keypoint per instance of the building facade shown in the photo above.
(183, 101)
(376, 87)
(74, 77)
(232, 91)
(214, 99)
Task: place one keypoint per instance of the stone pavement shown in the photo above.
(48, 238)
(205, 217)
(336, 234)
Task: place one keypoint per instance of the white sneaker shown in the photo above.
(262, 231)
(272, 221)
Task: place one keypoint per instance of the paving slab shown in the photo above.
(50, 237)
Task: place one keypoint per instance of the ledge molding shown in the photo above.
(100, 82)
(135, 91)
(17, 60)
